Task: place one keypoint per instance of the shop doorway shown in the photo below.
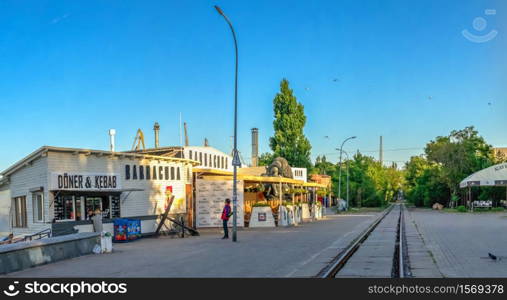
(97, 202)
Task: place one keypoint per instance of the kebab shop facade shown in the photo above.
(59, 188)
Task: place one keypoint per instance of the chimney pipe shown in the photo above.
(187, 142)
(255, 147)
(156, 128)
(112, 134)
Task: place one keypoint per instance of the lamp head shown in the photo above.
(219, 10)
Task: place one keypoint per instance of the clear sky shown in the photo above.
(71, 70)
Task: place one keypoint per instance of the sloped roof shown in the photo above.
(493, 176)
(45, 149)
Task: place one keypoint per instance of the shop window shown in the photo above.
(127, 172)
(178, 173)
(205, 160)
(134, 172)
(65, 208)
(141, 172)
(115, 207)
(161, 173)
(19, 219)
(172, 173)
(191, 154)
(200, 157)
(167, 173)
(148, 175)
(38, 207)
(103, 203)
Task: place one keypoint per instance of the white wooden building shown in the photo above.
(55, 186)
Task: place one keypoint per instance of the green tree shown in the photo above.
(289, 140)
(424, 184)
(266, 159)
(322, 166)
(460, 154)
(435, 177)
(371, 184)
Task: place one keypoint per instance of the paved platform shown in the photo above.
(460, 242)
(282, 252)
(422, 264)
(374, 259)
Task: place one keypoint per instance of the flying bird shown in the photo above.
(492, 256)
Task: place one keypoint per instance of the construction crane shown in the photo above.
(139, 141)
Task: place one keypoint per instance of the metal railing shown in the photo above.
(46, 233)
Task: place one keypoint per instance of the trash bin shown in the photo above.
(106, 242)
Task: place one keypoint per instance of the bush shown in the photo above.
(461, 208)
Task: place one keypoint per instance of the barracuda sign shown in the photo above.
(84, 181)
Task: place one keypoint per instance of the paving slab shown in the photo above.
(422, 264)
(459, 243)
(280, 252)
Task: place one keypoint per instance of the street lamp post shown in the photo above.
(236, 161)
(348, 175)
(340, 178)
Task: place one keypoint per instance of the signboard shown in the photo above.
(263, 217)
(210, 201)
(85, 181)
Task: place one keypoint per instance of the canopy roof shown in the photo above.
(493, 176)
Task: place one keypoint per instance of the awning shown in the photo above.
(266, 179)
(493, 176)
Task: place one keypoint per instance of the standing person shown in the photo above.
(226, 215)
(97, 221)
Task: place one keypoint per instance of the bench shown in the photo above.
(483, 204)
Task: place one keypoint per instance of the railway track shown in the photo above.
(380, 249)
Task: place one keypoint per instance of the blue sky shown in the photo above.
(70, 70)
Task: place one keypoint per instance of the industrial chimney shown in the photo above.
(255, 147)
(112, 134)
(156, 128)
(187, 142)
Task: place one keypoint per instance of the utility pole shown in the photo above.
(381, 155)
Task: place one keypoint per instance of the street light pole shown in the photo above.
(340, 178)
(236, 161)
(348, 175)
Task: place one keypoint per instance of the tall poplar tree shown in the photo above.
(289, 140)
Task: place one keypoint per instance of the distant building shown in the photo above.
(322, 179)
(300, 174)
